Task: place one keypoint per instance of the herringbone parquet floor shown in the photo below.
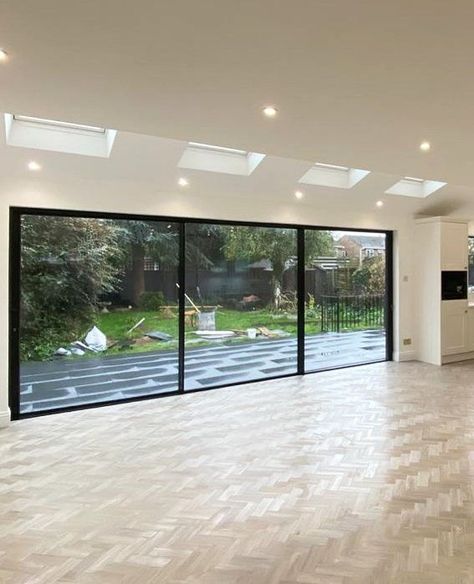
(361, 475)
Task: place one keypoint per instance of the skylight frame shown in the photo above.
(220, 149)
(58, 124)
(335, 167)
(412, 179)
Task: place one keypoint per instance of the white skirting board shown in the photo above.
(4, 418)
(404, 356)
(459, 357)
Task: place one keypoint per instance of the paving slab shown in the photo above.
(62, 383)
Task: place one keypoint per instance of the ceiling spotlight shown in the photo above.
(33, 165)
(425, 146)
(183, 182)
(299, 194)
(270, 111)
(379, 203)
(3, 55)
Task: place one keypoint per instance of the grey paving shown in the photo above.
(62, 383)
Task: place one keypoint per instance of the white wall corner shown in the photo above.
(5, 418)
(404, 356)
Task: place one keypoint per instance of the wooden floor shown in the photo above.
(362, 475)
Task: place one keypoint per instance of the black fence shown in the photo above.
(343, 312)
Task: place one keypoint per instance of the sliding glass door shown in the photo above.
(109, 307)
(98, 317)
(241, 304)
(345, 298)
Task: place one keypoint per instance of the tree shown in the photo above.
(66, 264)
(370, 277)
(140, 239)
(317, 243)
(276, 244)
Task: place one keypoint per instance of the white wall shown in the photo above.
(125, 196)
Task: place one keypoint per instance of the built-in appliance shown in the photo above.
(453, 285)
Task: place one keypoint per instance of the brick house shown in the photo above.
(360, 247)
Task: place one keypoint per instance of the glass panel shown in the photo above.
(471, 268)
(241, 309)
(98, 315)
(344, 298)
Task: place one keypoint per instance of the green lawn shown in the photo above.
(116, 324)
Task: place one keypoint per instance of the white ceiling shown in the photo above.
(357, 83)
(151, 163)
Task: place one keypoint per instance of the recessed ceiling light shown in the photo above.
(270, 111)
(3, 55)
(33, 165)
(379, 203)
(299, 194)
(183, 182)
(425, 146)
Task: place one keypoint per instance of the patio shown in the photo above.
(58, 384)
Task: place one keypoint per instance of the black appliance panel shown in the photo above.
(453, 285)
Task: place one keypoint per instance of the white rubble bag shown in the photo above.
(96, 339)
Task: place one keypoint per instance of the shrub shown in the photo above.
(66, 264)
(151, 301)
(47, 333)
(370, 277)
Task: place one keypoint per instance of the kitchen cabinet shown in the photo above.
(454, 246)
(470, 329)
(455, 327)
(444, 328)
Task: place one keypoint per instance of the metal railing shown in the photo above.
(346, 312)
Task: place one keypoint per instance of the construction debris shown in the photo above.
(76, 351)
(159, 336)
(140, 322)
(212, 335)
(266, 332)
(96, 339)
(62, 352)
(207, 320)
(83, 346)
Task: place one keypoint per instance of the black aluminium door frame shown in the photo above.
(14, 295)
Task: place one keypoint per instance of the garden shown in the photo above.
(85, 274)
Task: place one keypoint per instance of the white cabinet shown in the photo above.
(470, 329)
(454, 244)
(455, 327)
(444, 329)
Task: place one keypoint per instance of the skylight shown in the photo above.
(46, 134)
(410, 186)
(210, 158)
(333, 175)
